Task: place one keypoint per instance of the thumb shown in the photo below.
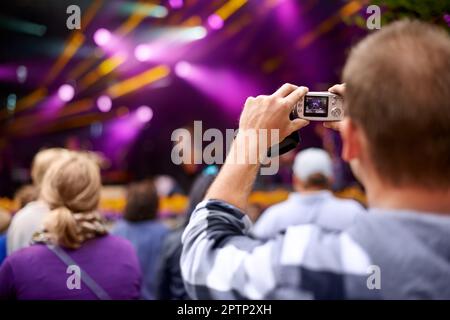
(297, 124)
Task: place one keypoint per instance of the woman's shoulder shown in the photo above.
(113, 241)
(28, 255)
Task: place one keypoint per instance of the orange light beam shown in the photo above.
(347, 10)
(138, 81)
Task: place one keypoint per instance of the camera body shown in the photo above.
(320, 106)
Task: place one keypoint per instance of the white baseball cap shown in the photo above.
(312, 161)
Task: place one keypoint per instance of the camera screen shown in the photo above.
(316, 106)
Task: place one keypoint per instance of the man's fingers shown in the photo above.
(335, 125)
(338, 89)
(295, 96)
(284, 90)
(297, 124)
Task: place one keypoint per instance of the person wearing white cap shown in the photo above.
(312, 202)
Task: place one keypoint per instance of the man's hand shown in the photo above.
(272, 112)
(235, 180)
(338, 89)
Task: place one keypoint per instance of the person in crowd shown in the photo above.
(396, 139)
(29, 219)
(25, 195)
(311, 202)
(169, 284)
(73, 257)
(5, 219)
(141, 227)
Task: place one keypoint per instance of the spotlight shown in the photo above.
(183, 69)
(104, 103)
(143, 52)
(22, 73)
(144, 114)
(102, 37)
(197, 33)
(215, 21)
(176, 4)
(66, 92)
(11, 102)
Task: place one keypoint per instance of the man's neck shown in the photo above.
(409, 198)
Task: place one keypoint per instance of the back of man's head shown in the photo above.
(398, 92)
(313, 168)
(142, 201)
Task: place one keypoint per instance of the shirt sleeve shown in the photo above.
(7, 288)
(265, 227)
(221, 261)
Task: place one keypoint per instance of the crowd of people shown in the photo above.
(311, 246)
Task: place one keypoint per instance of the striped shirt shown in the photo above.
(321, 208)
(220, 260)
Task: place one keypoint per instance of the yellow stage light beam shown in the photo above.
(72, 45)
(76, 107)
(28, 121)
(75, 41)
(66, 124)
(102, 70)
(125, 28)
(347, 10)
(138, 81)
(29, 100)
(229, 8)
(84, 65)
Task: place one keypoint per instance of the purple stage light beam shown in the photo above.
(143, 52)
(118, 134)
(232, 92)
(176, 4)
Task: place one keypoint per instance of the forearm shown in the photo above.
(235, 180)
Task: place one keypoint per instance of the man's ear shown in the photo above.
(351, 135)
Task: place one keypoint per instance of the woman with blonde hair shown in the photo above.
(73, 257)
(29, 219)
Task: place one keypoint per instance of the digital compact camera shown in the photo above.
(320, 106)
(314, 106)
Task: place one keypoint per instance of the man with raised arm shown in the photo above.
(396, 137)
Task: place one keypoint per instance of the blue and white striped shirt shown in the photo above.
(220, 260)
(320, 208)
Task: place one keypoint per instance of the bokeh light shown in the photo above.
(104, 103)
(102, 37)
(144, 114)
(183, 69)
(215, 21)
(66, 92)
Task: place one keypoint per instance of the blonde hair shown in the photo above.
(42, 162)
(71, 188)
